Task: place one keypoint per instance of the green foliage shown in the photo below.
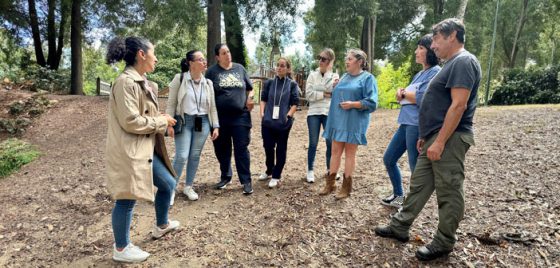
(389, 80)
(12, 57)
(537, 86)
(47, 79)
(15, 153)
(95, 66)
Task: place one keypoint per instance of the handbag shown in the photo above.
(178, 127)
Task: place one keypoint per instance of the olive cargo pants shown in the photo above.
(446, 177)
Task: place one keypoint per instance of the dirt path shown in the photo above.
(56, 210)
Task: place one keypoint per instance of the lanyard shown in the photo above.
(199, 98)
(281, 92)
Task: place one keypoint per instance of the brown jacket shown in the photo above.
(135, 133)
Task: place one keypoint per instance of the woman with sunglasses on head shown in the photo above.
(407, 134)
(318, 92)
(353, 99)
(136, 155)
(191, 96)
(279, 100)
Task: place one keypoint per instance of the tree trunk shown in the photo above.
(520, 24)
(234, 32)
(51, 33)
(367, 42)
(214, 35)
(438, 10)
(76, 83)
(462, 10)
(34, 22)
(64, 10)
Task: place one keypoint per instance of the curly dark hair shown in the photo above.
(126, 49)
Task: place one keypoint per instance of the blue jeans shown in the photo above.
(404, 140)
(122, 212)
(188, 146)
(314, 123)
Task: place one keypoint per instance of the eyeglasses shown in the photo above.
(322, 59)
(200, 60)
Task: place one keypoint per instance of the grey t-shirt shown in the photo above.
(463, 70)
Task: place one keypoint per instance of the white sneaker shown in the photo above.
(263, 177)
(130, 253)
(338, 176)
(190, 193)
(273, 183)
(172, 201)
(310, 176)
(171, 226)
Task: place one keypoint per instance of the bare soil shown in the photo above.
(56, 211)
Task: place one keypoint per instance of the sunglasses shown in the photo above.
(322, 59)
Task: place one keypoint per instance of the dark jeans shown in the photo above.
(404, 140)
(240, 136)
(314, 123)
(275, 142)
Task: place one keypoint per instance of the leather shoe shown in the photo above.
(430, 252)
(223, 183)
(385, 231)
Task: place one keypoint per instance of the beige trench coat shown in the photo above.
(135, 132)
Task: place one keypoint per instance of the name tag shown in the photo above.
(276, 112)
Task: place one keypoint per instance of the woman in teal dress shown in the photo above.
(353, 99)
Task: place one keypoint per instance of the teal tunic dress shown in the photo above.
(350, 126)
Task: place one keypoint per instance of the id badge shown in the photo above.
(197, 123)
(276, 112)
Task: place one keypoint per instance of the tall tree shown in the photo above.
(234, 32)
(462, 9)
(519, 28)
(34, 23)
(76, 77)
(214, 28)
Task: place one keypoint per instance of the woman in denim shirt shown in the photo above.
(406, 136)
(353, 99)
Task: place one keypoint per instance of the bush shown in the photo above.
(15, 153)
(536, 86)
(389, 80)
(49, 80)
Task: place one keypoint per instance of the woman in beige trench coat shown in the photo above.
(136, 156)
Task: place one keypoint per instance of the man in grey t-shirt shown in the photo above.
(446, 133)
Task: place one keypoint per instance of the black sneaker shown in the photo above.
(223, 183)
(393, 201)
(247, 188)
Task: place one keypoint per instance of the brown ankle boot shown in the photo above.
(330, 180)
(346, 188)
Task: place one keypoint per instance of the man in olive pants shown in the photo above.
(446, 133)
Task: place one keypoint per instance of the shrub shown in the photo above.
(15, 153)
(536, 86)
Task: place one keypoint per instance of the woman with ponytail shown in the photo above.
(353, 99)
(191, 96)
(137, 160)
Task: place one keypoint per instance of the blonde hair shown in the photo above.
(360, 55)
(330, 54)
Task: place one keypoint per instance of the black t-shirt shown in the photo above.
(230, 87)
(463, 71)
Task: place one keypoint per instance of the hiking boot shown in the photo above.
(386, 231)
(130, 253)
(430, 252)
(159, 232)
